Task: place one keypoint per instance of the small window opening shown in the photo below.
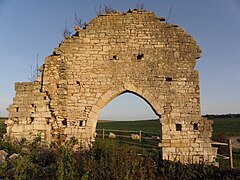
(78, 82)
(195, 126)
(140, 56)
(17, 109)
(168, 79)
(64, 122)
(47, 120)
(44, 97)
(73, 123)
(178, 127)
(32, 105)
(114, 57)
(31, 120)
(81, 123)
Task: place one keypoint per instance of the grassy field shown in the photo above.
(222, 127)
(228, 126)
(144, 125)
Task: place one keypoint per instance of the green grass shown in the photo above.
(236, 159)
(148, 129)
(222, 127)
(228, 126)
(143, 125)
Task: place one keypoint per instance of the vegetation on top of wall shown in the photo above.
(104, 10)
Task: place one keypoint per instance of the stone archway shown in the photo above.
(113, 93)
(133, 51)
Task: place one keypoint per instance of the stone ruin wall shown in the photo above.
(131, 52)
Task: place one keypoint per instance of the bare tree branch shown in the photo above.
(78, 21)
(34, 71)
(66, 32)
(105, 10)
(140, 6)
(169, 14)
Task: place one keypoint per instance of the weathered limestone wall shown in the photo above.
(29, 114)
(131, 52)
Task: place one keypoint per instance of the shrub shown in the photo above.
(106, 160)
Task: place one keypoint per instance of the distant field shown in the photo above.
(228, 126)
(143, 125)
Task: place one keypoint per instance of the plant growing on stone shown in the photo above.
(105, 10)
(66, 32)
(140, 6)
(34, 71)
(78, 21)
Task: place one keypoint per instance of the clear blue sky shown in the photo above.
(31, 27)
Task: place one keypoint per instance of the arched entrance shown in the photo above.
(130, 121)
(127, 107)
(113, 93)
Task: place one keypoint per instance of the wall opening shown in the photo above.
(47, 120)
(64, 122)
(195, 126)
(114, 57)
(134, 117)
(31, 120)
(140, 56)
(168, 79)
(178, 127)
(82, 123)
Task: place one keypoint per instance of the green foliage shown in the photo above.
(2, 126)
(66, 164)
(106, 160)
